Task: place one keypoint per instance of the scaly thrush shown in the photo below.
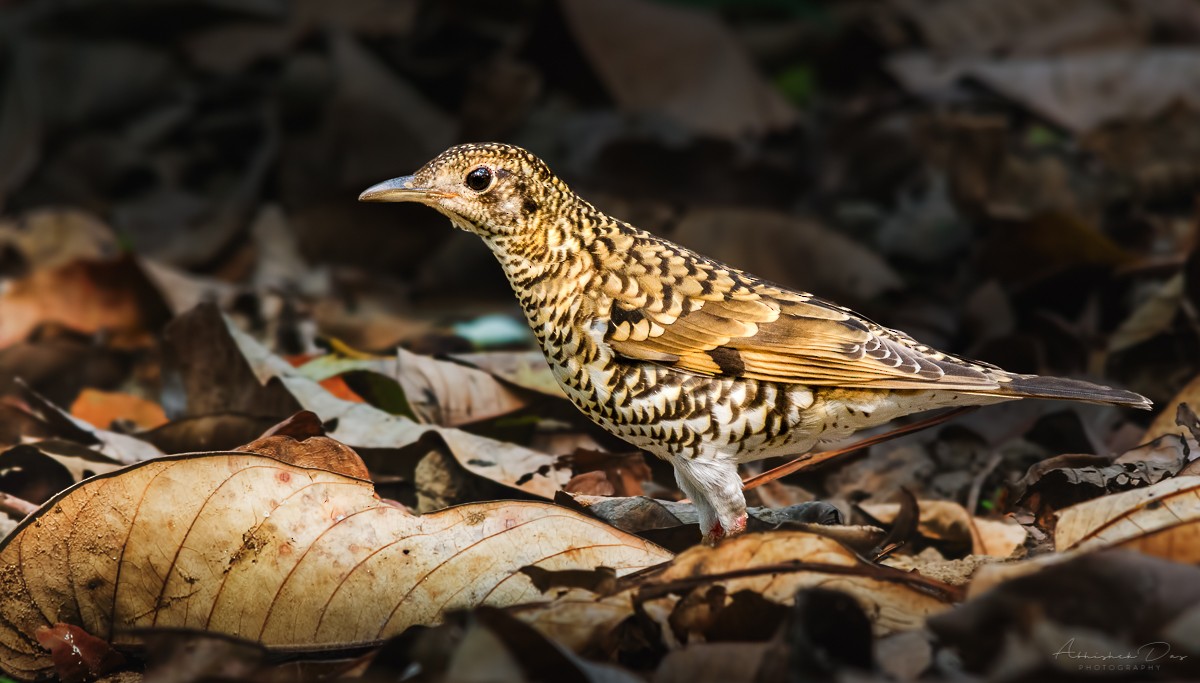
(697, 362)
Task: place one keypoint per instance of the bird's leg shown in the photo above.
(715, 488)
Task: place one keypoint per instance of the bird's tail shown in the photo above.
(1036, 386)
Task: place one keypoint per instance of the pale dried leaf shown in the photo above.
(892, 605)
(296, 559)
(1162, 520)
(525, 369)
(1165, 422)
(54, 237)
(438, 392)
(1152, 318)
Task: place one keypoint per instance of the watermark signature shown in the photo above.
(1147, 657)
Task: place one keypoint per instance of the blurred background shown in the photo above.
(1014, 180)
(1011, 180)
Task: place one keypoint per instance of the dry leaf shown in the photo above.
(363, 426)
(1150, 319)
(947, 520)
(891, 603)
(102, 408)
(58, 422)
(702, 77)
(438, 392)
(87, 296)
(296, 559)
(54, 237)
(1166, 422)
(1108, 609)
(1019, 27)
(788, 250)
(1063, 480)
(713, 662)
(1080, 92)
(1162, 520)
(524, 369)
(38, 471)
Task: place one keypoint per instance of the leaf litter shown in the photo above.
(199, 326)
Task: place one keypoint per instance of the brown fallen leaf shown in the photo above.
(1064, 480)
(319, 452)
(947, 520)
(607, 474)
(87, 296)
(36, 471)
(702, 77)
(1019, 27)
(790, 251)
(182, 291)
(102, 408)
(296, 559)
(728, 593)
(1162, 520)
(214, 432)
(59, 362)
(1074, 91)
(711, 662)
(776, 565)
(1105, 609)
(1151, 318)
(78, 655)
(53, 237)
(1167, 419)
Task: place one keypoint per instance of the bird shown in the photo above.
(694, 361)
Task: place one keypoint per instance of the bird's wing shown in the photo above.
(698, 316)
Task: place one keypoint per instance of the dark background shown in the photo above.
(1015, 181)
(1011, 180)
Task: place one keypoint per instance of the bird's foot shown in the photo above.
(718, 531)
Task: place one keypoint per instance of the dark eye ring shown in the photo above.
(479, 179)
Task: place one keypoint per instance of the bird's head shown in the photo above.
(500, 192)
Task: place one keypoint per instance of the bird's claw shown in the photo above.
(718, 532)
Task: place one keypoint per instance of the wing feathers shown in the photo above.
(768, 334)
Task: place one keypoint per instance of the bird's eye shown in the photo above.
(479, 179)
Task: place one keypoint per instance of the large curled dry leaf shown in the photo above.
(1162, 520)
(895, 601)
(770, 567)
(294, 558)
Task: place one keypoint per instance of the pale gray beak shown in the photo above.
(395, 190)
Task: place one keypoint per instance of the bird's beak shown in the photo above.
(395, 190)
